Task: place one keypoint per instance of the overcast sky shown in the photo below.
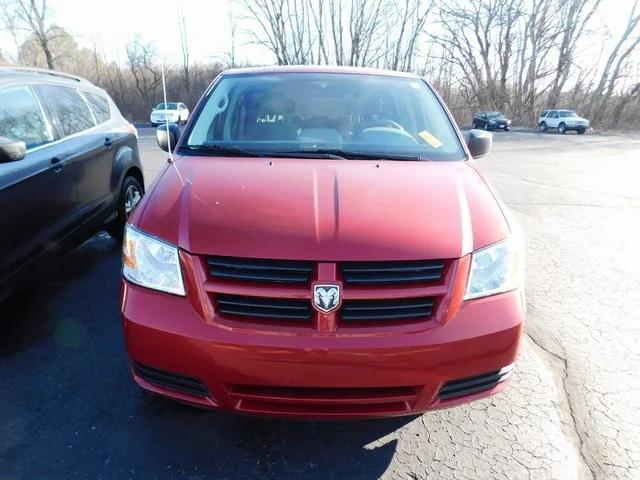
(113, 23)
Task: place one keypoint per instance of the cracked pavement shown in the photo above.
(68, 408)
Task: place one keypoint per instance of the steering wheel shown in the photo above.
(382, 122)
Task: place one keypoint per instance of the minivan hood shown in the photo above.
(325, 210)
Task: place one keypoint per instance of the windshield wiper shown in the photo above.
(328, 153)
(233, 151)
(354, 155)
(223, 150)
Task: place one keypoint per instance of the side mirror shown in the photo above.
(165, 140)
(12, 150)
(479, 143)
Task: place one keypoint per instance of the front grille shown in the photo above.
(363, 273)
(172, 381)
(269, 308)
(470, 385)
(260, 270)
(323, 401)
(396, 309)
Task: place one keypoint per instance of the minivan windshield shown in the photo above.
(167, 106)
(334, 114)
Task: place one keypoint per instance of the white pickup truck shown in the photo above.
(562, 120)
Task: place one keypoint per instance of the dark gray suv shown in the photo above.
(69, 166)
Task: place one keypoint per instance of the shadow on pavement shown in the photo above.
(69, 409)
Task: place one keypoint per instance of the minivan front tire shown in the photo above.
(131, 192)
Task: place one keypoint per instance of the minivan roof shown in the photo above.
(316, 69)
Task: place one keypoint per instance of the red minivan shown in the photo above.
(322, 245)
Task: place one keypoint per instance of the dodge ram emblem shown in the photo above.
(326, 298)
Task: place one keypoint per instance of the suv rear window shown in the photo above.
(21, 117)
(99, 105)
(346, 113)
(71, 111)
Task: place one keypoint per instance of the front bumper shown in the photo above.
(160, 120)
(577, 126)
(318, 375)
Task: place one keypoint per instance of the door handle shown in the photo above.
(108, 143)
(58, 163)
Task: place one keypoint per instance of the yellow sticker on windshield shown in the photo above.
(430, 139)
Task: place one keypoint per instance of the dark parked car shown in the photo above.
(69, 166)
(491, 121)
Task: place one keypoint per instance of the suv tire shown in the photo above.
(562, 129)
(581, 131)
(131, 193)
(543, 126)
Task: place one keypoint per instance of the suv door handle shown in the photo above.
(58, 163)
(108, 143)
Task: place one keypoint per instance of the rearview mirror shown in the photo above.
(165, 138)
(479, 143)
(12, 150)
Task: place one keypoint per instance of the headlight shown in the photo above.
(151, 263)
(495, 269)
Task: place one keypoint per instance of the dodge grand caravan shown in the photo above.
(322, 245)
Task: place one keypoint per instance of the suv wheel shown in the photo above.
(562, 128)
(581, 131)
(543, 126)
(131, 193)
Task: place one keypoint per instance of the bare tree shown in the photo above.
(142, 59)
(410, 17)
(233, 33)
(540, 32)
(10, 22)
(282, 29)
(575, 16)
(184, 45)
(478, 39)
(620, 53)
(32, 16)
(343, 32)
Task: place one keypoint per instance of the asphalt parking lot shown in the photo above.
(69, 409)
